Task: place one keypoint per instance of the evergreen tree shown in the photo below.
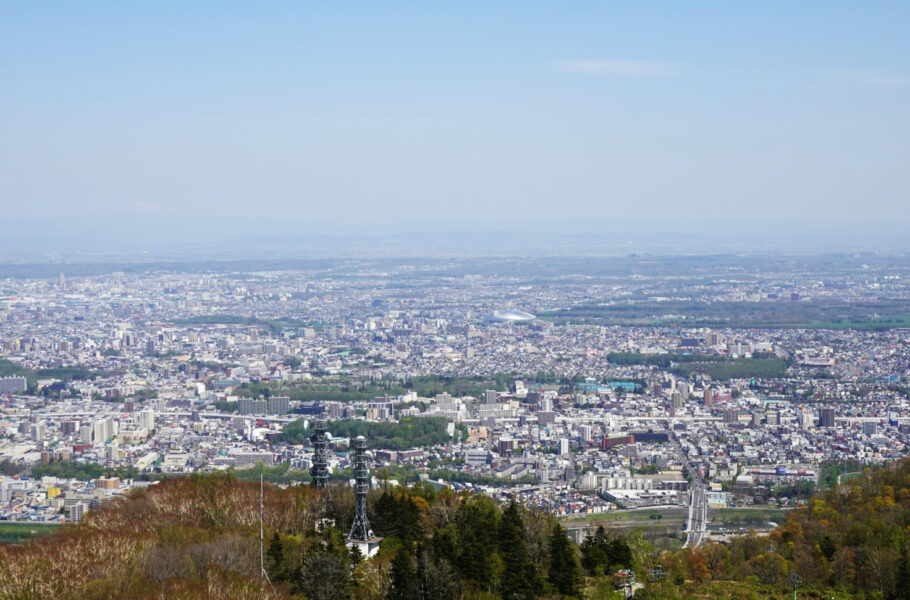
(619, 553)
(404, 580)
(519, 579)
(563, 573)
(902, 577)
(325, 576)
(436, 580)
(477, 527)
(593, 552)
(396, 513)
(602, 553)
(355, 554)
(275, 566)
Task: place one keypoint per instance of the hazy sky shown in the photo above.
(356, 114)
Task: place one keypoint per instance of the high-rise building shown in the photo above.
(101, 431)
(584, 432)
(13, 385)
(147, 419)
(709, 397)
(678, 399)
(490, 397)
(563, 446)
(380, 411)
(826, 417)
(806, 418)
(252, 406)
(279, 405)
(731, 417)
(870, 427)
(713, 339)
(506, 447)
(38, 432)
(77, 510)
(683, 388)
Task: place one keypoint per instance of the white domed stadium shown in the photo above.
(510, 316)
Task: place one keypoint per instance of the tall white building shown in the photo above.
(147, 419)
(101, 431)
(77, 511)
(38, 431)
(13, 385)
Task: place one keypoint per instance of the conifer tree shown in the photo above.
(563, 573)
(436, 580)
(477, 527)
(519, 579)
(404, 579)
(275, 555)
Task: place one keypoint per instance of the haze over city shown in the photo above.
(167, 122)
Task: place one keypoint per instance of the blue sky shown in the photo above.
(457, 115)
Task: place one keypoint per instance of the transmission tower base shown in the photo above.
(368, 548)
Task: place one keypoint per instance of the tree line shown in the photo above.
(408, 432)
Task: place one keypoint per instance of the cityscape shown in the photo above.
(138, 376)
(454, 301)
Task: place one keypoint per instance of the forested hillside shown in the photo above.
(850, 542)
(197, 537)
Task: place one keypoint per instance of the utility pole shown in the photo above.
(796, 581)
(657, 575)
(261, 541)
(773, 562)
(263, 576)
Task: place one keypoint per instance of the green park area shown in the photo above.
(675, 517)
(868, 315)
(15, 532)
(717, 367)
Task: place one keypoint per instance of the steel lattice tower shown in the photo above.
(320, 468)
(361, 531)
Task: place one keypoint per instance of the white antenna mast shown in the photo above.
(261, 556)
(263, 576)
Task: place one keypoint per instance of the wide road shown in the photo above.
(159, 415)
(697, 524)
(697, 521)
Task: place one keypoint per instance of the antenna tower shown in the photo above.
(361, 531)
(263, 575)
(320, 468)
(261, 540)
